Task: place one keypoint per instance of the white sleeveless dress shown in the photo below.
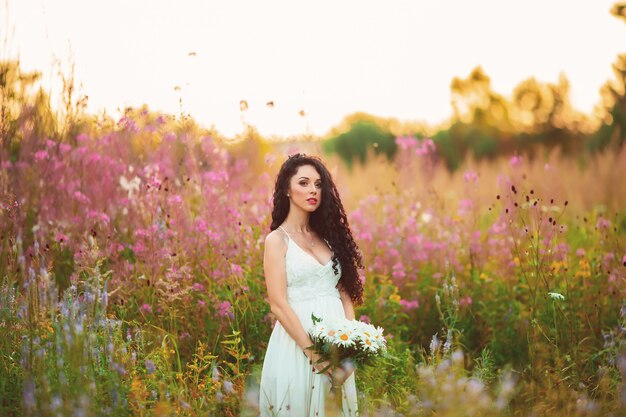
(289, 387)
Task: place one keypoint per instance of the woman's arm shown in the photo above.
(348, 307)
(340, 375)
(276, 282)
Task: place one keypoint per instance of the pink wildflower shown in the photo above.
(465, 206)
(498, 227)
(102, 217)
(426, 147)
(61, 238)
(365, 319)
(608, 259)
(561, 250)
(603, 223)
(398, 271)
(225, 310)
(408, 305)
(215, 176)
(357, 216)
(141, 233)
(236, 269)
(145, 308)
(213, 236)
(201, 225)
(580, 252)
(175, 199)
(515, 161)
(82, 198)
(406, 142)
(139, 248)
(40, 155)
(465, 301)
(470, 176)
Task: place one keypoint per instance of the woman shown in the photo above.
(311, 266)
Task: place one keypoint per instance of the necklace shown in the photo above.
(311, 241)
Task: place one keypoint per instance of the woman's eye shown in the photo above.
(303, 183)
(318, 185)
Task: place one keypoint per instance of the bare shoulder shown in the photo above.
(275, 242)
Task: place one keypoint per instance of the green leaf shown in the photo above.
(315, 319)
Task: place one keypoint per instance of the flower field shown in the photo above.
(131, 278)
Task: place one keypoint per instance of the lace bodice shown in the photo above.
(307, 278)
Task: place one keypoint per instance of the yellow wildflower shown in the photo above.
(557, 266)
(135, 385)
(584, 270)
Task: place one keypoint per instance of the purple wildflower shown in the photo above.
(225, 309)
(150, 368)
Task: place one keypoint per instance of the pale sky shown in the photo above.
(328, 58)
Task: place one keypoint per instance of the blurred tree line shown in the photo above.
(487, 125)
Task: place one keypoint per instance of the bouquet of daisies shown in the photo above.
(340, 340)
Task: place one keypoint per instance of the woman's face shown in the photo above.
(305, 188)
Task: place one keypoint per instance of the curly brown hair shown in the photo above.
(329, 221)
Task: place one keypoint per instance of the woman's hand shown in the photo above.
(341, 374)
(319, 367)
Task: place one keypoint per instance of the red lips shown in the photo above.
(312, 200)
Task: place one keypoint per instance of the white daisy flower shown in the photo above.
(556, 296)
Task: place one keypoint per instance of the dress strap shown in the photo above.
(285, 232)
